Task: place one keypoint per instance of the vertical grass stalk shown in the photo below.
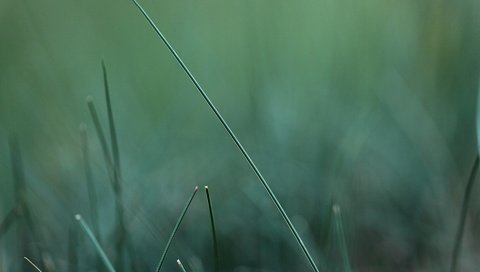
(175, 228)
(463, 215)
(214, 232)
(95, 242)
(232, 135)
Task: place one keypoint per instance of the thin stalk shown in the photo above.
(92, 196)
(30, 262)
(122, 242)
(463, 215)
(234, 138)
(214, 232)
(95, 242)
(175, 228)
(100, 135)
(182, 268)
(337, 217)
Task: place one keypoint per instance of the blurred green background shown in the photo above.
(369, 104)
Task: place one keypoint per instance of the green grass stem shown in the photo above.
(175, 228)
(182, 268)
(214, 232)
(232, 135)
(95, 242)
(31, 263)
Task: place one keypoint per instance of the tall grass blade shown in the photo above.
(232, 135)
(92, 196)
(94, 240)
(214, 232)
(182, 268)
(340, 236)
(463, 215)
(175, 228)
(31, 263)
(116, 178)
(100, 135)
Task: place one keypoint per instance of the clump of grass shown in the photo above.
(95, 242)
(214, 232)
(463, 215)
(112, 161)
(234, 138)
(175, 229)
(31, 263)
(182, 268)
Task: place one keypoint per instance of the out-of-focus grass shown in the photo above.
(369, 103)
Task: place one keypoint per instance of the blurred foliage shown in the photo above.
(370, 104)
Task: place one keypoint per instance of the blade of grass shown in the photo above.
(36, 267)
(101, 136)
(337, 217)
(463, 215)
(181, 265)
(123, 242)
(175, 228)
(92, 196)
(232, 135)
(94, 240)
(214, 233)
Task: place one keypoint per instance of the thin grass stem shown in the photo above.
(100, 135)
(182, 268)
(463, 215)
(232, 135)
(175, 228)
(214, 232)
(30, 262)
(95, 242)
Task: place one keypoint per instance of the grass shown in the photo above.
(214, 232)
(234, 138)
(175, 229)
(32, 264)
(180, 265)
(95, 242)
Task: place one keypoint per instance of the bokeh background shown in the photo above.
(367, 104)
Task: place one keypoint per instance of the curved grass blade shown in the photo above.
(181, 265)
(30, 262)
(179, 221)
(232, 135)
(463, 215)
(97, 246)
(214, 232)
